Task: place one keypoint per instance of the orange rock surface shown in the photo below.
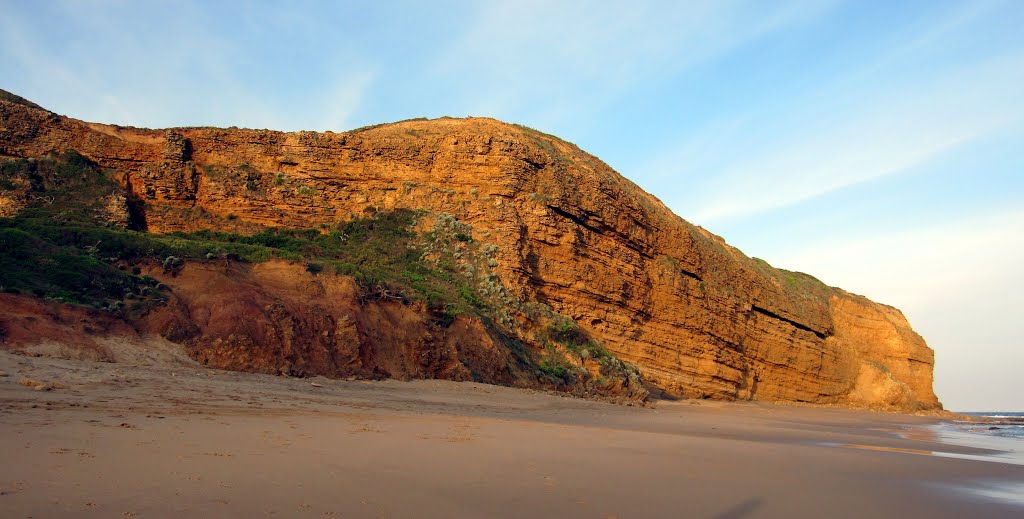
(696, 316)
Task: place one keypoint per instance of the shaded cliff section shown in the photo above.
(697, 317)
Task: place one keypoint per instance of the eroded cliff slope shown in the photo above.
(561, 229)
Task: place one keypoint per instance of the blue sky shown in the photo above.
(876, 145)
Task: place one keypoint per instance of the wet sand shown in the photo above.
(111, 440)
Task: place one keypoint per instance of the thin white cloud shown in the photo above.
(562, 61)
(869, 138)
(343, 100)
(99, 80)
(17, 46)
(161, 66)
(961, 15)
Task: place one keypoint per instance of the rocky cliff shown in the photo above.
(698, 318)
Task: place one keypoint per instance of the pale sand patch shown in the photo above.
(152, 350)
(114, 440)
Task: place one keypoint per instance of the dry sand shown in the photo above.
(112, 440)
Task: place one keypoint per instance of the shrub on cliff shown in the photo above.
(62, 246)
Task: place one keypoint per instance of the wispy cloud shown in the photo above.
(16, 44)
(856, 136)
(343, 100)
(887, 134)
(563, 61)
(161, 65)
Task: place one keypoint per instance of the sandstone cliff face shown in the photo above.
(696, 316)
(273, 318)
(277, 318)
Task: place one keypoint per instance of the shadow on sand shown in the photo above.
(741, 510)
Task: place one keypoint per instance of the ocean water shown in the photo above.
(1002, 433)
(994, 423)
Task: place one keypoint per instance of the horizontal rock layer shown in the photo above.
(696, 316)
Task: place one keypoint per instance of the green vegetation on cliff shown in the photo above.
(57, 247)
(70, 242)
(63, 245)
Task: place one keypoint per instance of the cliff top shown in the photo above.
(12, 98)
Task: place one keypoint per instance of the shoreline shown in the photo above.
(114, 439)
(994, 449)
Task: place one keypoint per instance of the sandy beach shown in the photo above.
(83, 439)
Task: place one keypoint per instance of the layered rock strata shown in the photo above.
(695, 315)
